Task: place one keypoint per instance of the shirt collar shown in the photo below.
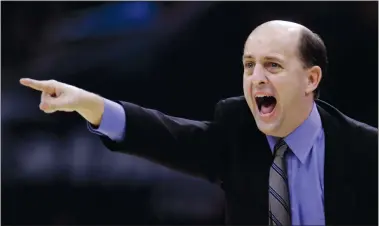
(301, 140)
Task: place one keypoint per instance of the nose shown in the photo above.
(258, 77)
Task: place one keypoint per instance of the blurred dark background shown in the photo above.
(177, 57)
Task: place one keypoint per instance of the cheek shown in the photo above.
(287, 87)
(246, 85)
(300, 80)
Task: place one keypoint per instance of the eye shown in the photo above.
(249, 64)
(273, 67)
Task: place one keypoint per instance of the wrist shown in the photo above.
(92, 108)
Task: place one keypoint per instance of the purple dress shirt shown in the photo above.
(305, 161)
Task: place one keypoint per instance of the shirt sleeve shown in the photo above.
(112, 123)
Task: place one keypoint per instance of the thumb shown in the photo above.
(50, 104)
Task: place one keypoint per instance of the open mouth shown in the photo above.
(266, 104)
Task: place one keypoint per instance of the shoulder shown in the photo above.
(364, 137)
(233, 109)
(232, 103)
(360, 139)
(352, 126)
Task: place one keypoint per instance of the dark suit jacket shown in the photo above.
(232, 151)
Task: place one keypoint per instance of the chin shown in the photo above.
(270, 129)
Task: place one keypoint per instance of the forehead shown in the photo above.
(281, 43)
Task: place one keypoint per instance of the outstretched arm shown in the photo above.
(191, 146)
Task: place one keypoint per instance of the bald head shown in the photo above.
(281, 24)
(278, 31)
(292, 39)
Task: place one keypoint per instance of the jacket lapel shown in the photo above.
(336, 191)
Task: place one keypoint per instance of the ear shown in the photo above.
(313, 79)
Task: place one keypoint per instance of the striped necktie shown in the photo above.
(279, 204)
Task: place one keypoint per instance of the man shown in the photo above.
(281, 156)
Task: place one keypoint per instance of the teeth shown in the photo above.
(262, 96)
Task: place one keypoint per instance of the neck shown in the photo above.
(299, 118)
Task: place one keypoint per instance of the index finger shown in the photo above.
(43, 86)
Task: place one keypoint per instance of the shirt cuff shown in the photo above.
(112, 123)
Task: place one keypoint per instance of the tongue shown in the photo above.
(266, 109)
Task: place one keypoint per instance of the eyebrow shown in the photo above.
(273, 58)
(247, 56)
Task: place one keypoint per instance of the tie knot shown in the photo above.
(280, 148)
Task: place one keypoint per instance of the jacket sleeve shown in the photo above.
(366, 175)
(193, 147)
